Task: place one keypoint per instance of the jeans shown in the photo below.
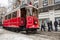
(49, 28)
(56, 29)
(42, 27)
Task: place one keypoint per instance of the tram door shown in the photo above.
(23, 17)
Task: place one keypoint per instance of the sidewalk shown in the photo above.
(53, 29)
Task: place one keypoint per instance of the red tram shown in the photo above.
(22, 19)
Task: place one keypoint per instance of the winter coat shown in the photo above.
(55, 23)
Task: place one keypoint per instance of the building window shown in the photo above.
(57, 7)
(50, 7)
(14, 14)
(36, 5)
(57, 1)
(45, 3)
(28, 1)
(9, 16)
(40, 10)
(23, 2)
(35, 0)
(43, 10)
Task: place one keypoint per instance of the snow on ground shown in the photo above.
(13, 37)
(7, 35)
(19, 37)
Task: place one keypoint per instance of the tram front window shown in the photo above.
(32, 12)
(35, 13)
(29, 12)
(23, 12)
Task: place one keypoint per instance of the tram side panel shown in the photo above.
(32, 22)
(13, 22)
(36, 24)
(29, 22)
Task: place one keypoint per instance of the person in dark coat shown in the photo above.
(43, 26)
(51, 26)
(56, 25)
(59, 23)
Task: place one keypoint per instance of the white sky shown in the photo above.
(4, 2)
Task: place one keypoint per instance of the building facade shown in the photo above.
(49, 10)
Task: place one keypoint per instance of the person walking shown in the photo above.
(59, 23)
(42, 26)
(51, 26)
(56, 25)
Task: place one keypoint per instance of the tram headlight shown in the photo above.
(35, 22)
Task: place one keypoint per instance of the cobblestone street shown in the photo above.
(8, 35)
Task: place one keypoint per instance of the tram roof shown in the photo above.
(11, 11)
(25, 6)
(31, 6)
(20, 8)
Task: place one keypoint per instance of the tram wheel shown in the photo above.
(17, 30)
(27, 31)
(35, 31)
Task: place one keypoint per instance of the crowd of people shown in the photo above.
(50, 25)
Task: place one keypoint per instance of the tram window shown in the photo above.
(28, 12)
(34, 14)
(5, 17)
(14, 14)
(9, 16)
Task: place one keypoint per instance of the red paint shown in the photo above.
(14, 22)
(17, 22)
(22, 21)
(30, 22)
(36, 20)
